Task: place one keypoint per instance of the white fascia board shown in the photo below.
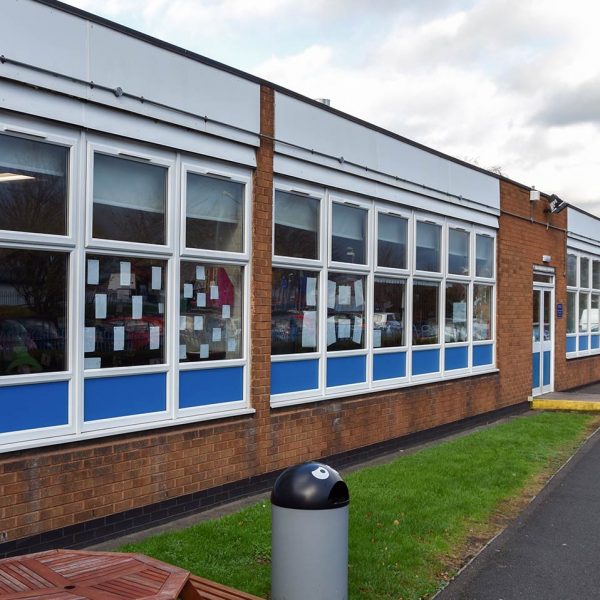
(583, 226)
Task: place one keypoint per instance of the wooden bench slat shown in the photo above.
(198, 588)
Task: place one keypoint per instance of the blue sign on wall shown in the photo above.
(559, 311)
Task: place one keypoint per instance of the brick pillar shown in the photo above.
(260, 310)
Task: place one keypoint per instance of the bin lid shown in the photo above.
(310, 486)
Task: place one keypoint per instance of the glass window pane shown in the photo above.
(129, 200)
(595, 314)
(458, 252)
(33, 186)
(33, 311)
(536, 315)
(484, 255)
(210, 322)
(425, 313)
(457, 297)
(482, 312)
(389, 310)
(296, 226)
(214, 213)
(349, 234)
(584, 312)
(391, 243)
(571, 270)
(571, 312)
(547, 314)
(294, 311)
(346, 311)
(541, 278)
(428, 247)
(596, 274)
(124, 311)
(584, 272)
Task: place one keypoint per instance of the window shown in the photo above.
(33, 311)
(458, 252)
(124, 311)
(33, 186)
(571, 312)
(584, 312)
(349, 234)
(584, 272)
(484, 255)
(572, 270)
(428, 243)
(296, 226)
(392, 241)
(389, 296)
(210, 321)
(345, 311)
(130, 198)
(457, 296)
(425, 312)
(214, 213)
(596, 274)
(482, 312)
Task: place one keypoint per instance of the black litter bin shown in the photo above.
(310, 534)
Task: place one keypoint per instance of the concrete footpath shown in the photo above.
(552, 551)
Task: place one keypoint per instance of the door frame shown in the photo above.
(542, 346)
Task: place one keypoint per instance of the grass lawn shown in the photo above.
(412, 521)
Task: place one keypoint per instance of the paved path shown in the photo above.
(552, 552)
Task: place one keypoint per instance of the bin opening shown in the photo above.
(339, 493)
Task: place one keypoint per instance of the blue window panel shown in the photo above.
(535, 366)
(425, 361)
(210, 386)
(572, 344)
(595, 342)
(547, 367)
(483, 355)
(294, 376)
(584, 342)
(110, 397)
(346, 370)
(389, 366)
(34, 406)
(456, 358)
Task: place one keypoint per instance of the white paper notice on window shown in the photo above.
(345, 295)
(136, 307)
(161, 308)
(125, 277)
(344, 327)
(200, 273)
(188, 290)
(459, 312)
(376, 338)
(93, 274)
(358, 293)
(182, 322)
(182, 352)
(216, 335)
(89, 344)
(203, 350)
(357, 331)
(154, 338)
(331, 294)
(226, 311)
(214, 292)
(231, 345)
(311, 291)
(198, 323)
(331, 337)
(100, 304)
(156, 278)
(309, 329)
(118, 338)
(201, 300)
(94, 362)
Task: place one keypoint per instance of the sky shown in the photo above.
(508, 85)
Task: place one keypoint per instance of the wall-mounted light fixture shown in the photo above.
(556, 204)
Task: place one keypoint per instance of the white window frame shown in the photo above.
(392, 212)
(420, 217)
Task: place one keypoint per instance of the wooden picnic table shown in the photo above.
(85, 575)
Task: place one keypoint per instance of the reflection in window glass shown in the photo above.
(482, 312)
(214, 213)
(571, 312)
(124, 311)
(129, 200)
(346, 311)
(294, 311)
(33, 186)
(457, 295)
(391, 242)
(348, 234)
(210, 322)
(296, 227)
(547, 314)
(425, 313)
(596, 274)
(388, 312)
(484, 255)
(458, 252)
(428, 247)
(33, 311)
(595, 314)
(536, 315)
(571, 270)
(584, 272)
(584, 312)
